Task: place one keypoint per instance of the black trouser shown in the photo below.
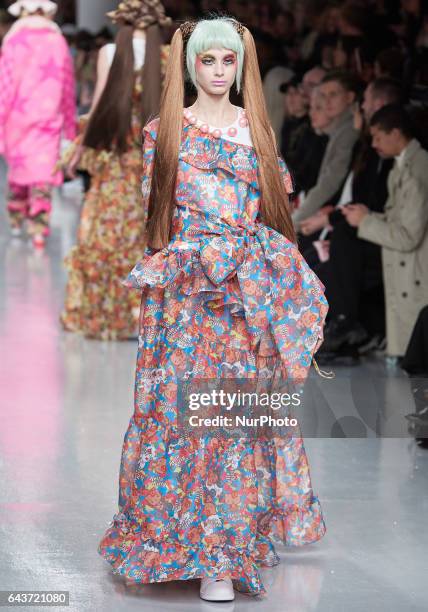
(308, 250)
(353, 270)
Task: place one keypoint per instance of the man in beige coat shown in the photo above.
(402, 229)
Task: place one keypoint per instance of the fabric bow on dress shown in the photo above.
(278, 289)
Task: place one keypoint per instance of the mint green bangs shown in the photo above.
(214, 34)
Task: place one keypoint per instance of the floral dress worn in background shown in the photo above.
(110, 238)
(228, 297)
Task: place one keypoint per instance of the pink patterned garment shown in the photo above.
(228, 298)
(37, 100)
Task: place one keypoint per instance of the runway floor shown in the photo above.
(65, 405)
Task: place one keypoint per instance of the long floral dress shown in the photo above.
(228, 296)
(110, 237)
(109, 241)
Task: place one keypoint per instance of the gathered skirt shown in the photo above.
(110, 241)
(194, 506)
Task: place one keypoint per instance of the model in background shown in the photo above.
(226, 294)
(37, 107)
(110, 236)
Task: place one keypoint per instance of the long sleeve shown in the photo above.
(69, 99)
(333, 170)
(286, 179)
(7, 87)
(405, 232)
(286, 176)
(149, 148)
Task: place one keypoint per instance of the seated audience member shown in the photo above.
(311, 147)
(311, 79)
(377, 94)
(354, 268)
(275, 98)
(305, 150)
(389, 63)
(362, 36)
(352, 273)
(296, 119)
(320, 34)
(284, 32)
(339, 90)
(401, 230)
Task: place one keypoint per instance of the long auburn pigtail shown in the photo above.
(164, 177)
(274, 204)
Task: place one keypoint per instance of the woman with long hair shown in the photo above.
(110, 234)
(225, 296)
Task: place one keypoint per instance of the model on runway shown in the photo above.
(37, 108)
(226, 294)
(110, 236)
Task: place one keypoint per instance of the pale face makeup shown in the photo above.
(216, 71)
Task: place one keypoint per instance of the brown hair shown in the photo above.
(274, 205)
(110, 121)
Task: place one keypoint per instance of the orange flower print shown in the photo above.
(209, 509)
(153, 498)
(193, 535)
(212, 539)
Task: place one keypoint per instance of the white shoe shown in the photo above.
(214, 589)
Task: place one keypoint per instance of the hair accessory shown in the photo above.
(140, 13)
(240, 28)
(32, 6)
(188, 27)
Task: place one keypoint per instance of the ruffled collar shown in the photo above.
(207, 152)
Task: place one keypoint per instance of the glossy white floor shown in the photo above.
(65, 405)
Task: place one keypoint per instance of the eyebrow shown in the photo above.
(209, 55)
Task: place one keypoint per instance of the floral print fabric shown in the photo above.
(228, 297)
(110, 236)
(31, 204)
